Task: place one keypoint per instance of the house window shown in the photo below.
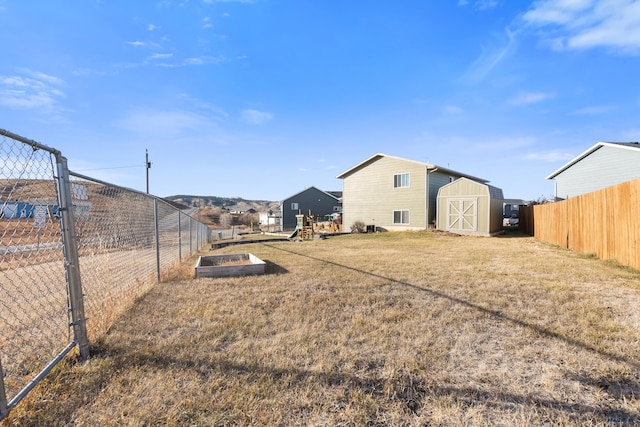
(294, 206)
(401, 180)
(337, 208)
(401, 217)
(451, 179)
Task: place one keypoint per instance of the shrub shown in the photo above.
(358, 227)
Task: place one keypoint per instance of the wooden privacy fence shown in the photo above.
(605, 223)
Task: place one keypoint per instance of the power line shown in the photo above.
(114, 167)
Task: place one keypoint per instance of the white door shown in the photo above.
(462, 214)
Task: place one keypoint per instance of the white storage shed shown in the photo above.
(469, 207)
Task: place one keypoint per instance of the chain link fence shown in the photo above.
(75, 252)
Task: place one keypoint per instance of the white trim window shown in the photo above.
(294, 206)
(401, 217)
(401, 180)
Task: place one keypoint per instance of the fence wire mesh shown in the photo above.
(33, 297)
(125, 240)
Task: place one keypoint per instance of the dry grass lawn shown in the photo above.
(399, 329)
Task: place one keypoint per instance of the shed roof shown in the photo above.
(430, 167)
(493, 192)
(620, 145)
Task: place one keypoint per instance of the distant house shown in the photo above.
(271, 220)
(603, 165)
(394, 193)
(512, 206)
(318, 202)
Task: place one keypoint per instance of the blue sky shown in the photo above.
(261, 99)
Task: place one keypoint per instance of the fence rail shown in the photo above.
(75, 252)
(605, 223)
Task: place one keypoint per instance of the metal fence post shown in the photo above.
(3, 396)
(190, 236)
(179, 237)
(157, 226)
(72, 264)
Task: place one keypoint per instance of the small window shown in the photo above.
(294, 206)
(337, 208)
(401, 180)
(451, 179)
(401, 217)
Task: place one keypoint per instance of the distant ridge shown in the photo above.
(230, 203)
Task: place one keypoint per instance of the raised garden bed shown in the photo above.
(229, 265)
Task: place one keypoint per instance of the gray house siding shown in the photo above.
(312, 199)
(436, 181)
(606, 166)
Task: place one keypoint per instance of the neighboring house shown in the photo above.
(394, 193)
(270, 221)
(318, 202)
(470, 207)
(603, 165)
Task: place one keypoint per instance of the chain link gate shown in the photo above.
(52, 223)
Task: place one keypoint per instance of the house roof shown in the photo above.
(520, 202)
(315, 188)
(430, 167)
(621, 145)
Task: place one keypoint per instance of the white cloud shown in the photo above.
(256, 117)
(161, 56)
(168, 60)
(136, 43)
(551, 156)
(480, 4)
(35, 91)
(491, 56)
(453, 109)
(173, 122)
(228, 1)
(595, 110)
(152, 27)
(47, 78)
(504, 143)
(194, 61)
(485, 4)
(586, 24)
(530, 98)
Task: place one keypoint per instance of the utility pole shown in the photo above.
(147, 166)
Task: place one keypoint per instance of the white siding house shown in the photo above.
(603, 165)
(393, 193)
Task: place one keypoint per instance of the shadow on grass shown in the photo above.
(411, 389)
(271, 268)
(619, 389)
(512, 233)
(493, 313)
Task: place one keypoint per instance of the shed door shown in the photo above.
(462, 214)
